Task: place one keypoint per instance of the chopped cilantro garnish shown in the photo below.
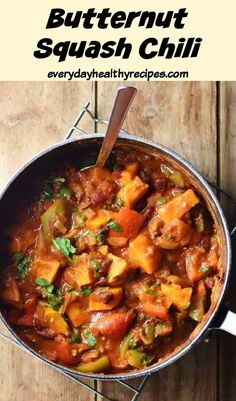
(91, 340)
(66, 192)
(85, 291)
(82, 291)
(42, 282)
(75, 337)
(113, 225)
(64, 246)
(23, 262)
(54, 297)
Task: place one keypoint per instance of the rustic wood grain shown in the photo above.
(181, 116)
(35, 115)
(32, 117)
(227, 159)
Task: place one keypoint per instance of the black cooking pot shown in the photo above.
(83, 151)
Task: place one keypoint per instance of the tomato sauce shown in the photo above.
(109, 269)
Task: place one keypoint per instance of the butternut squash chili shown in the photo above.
(107, 270)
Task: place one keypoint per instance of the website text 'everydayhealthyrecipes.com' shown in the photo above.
(94, 74)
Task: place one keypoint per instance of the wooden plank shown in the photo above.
(32, 117)
(36, 115)
(181, 116)
(227, 156)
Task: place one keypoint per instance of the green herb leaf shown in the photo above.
(113, 225)
(23, 263)
(55, 300)
(91, 340)
(161, 201)
(75, 337)
(82, 291)
(50, 289)
(42, 282)
(86, 291)
(19, 256)
(66, 192)
(64, 246)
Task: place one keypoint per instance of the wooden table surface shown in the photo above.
(198, 120)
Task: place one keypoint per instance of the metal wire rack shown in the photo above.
(136, 390)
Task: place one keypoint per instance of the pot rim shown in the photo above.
(202, 332)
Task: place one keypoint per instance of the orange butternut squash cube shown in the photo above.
(132, 191)
(77, 315)
(81, 273)
(105, 298)
(117, 268)
(178, 206)
(128, 173)
(144, 254)
(180, 297)
(52, 319)
(103, 250)
(101, 218)
(99, 174)
(46, 268)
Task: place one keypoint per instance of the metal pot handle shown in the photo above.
(228, 323)
(225, 320)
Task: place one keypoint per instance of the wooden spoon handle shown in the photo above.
(124, 97)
